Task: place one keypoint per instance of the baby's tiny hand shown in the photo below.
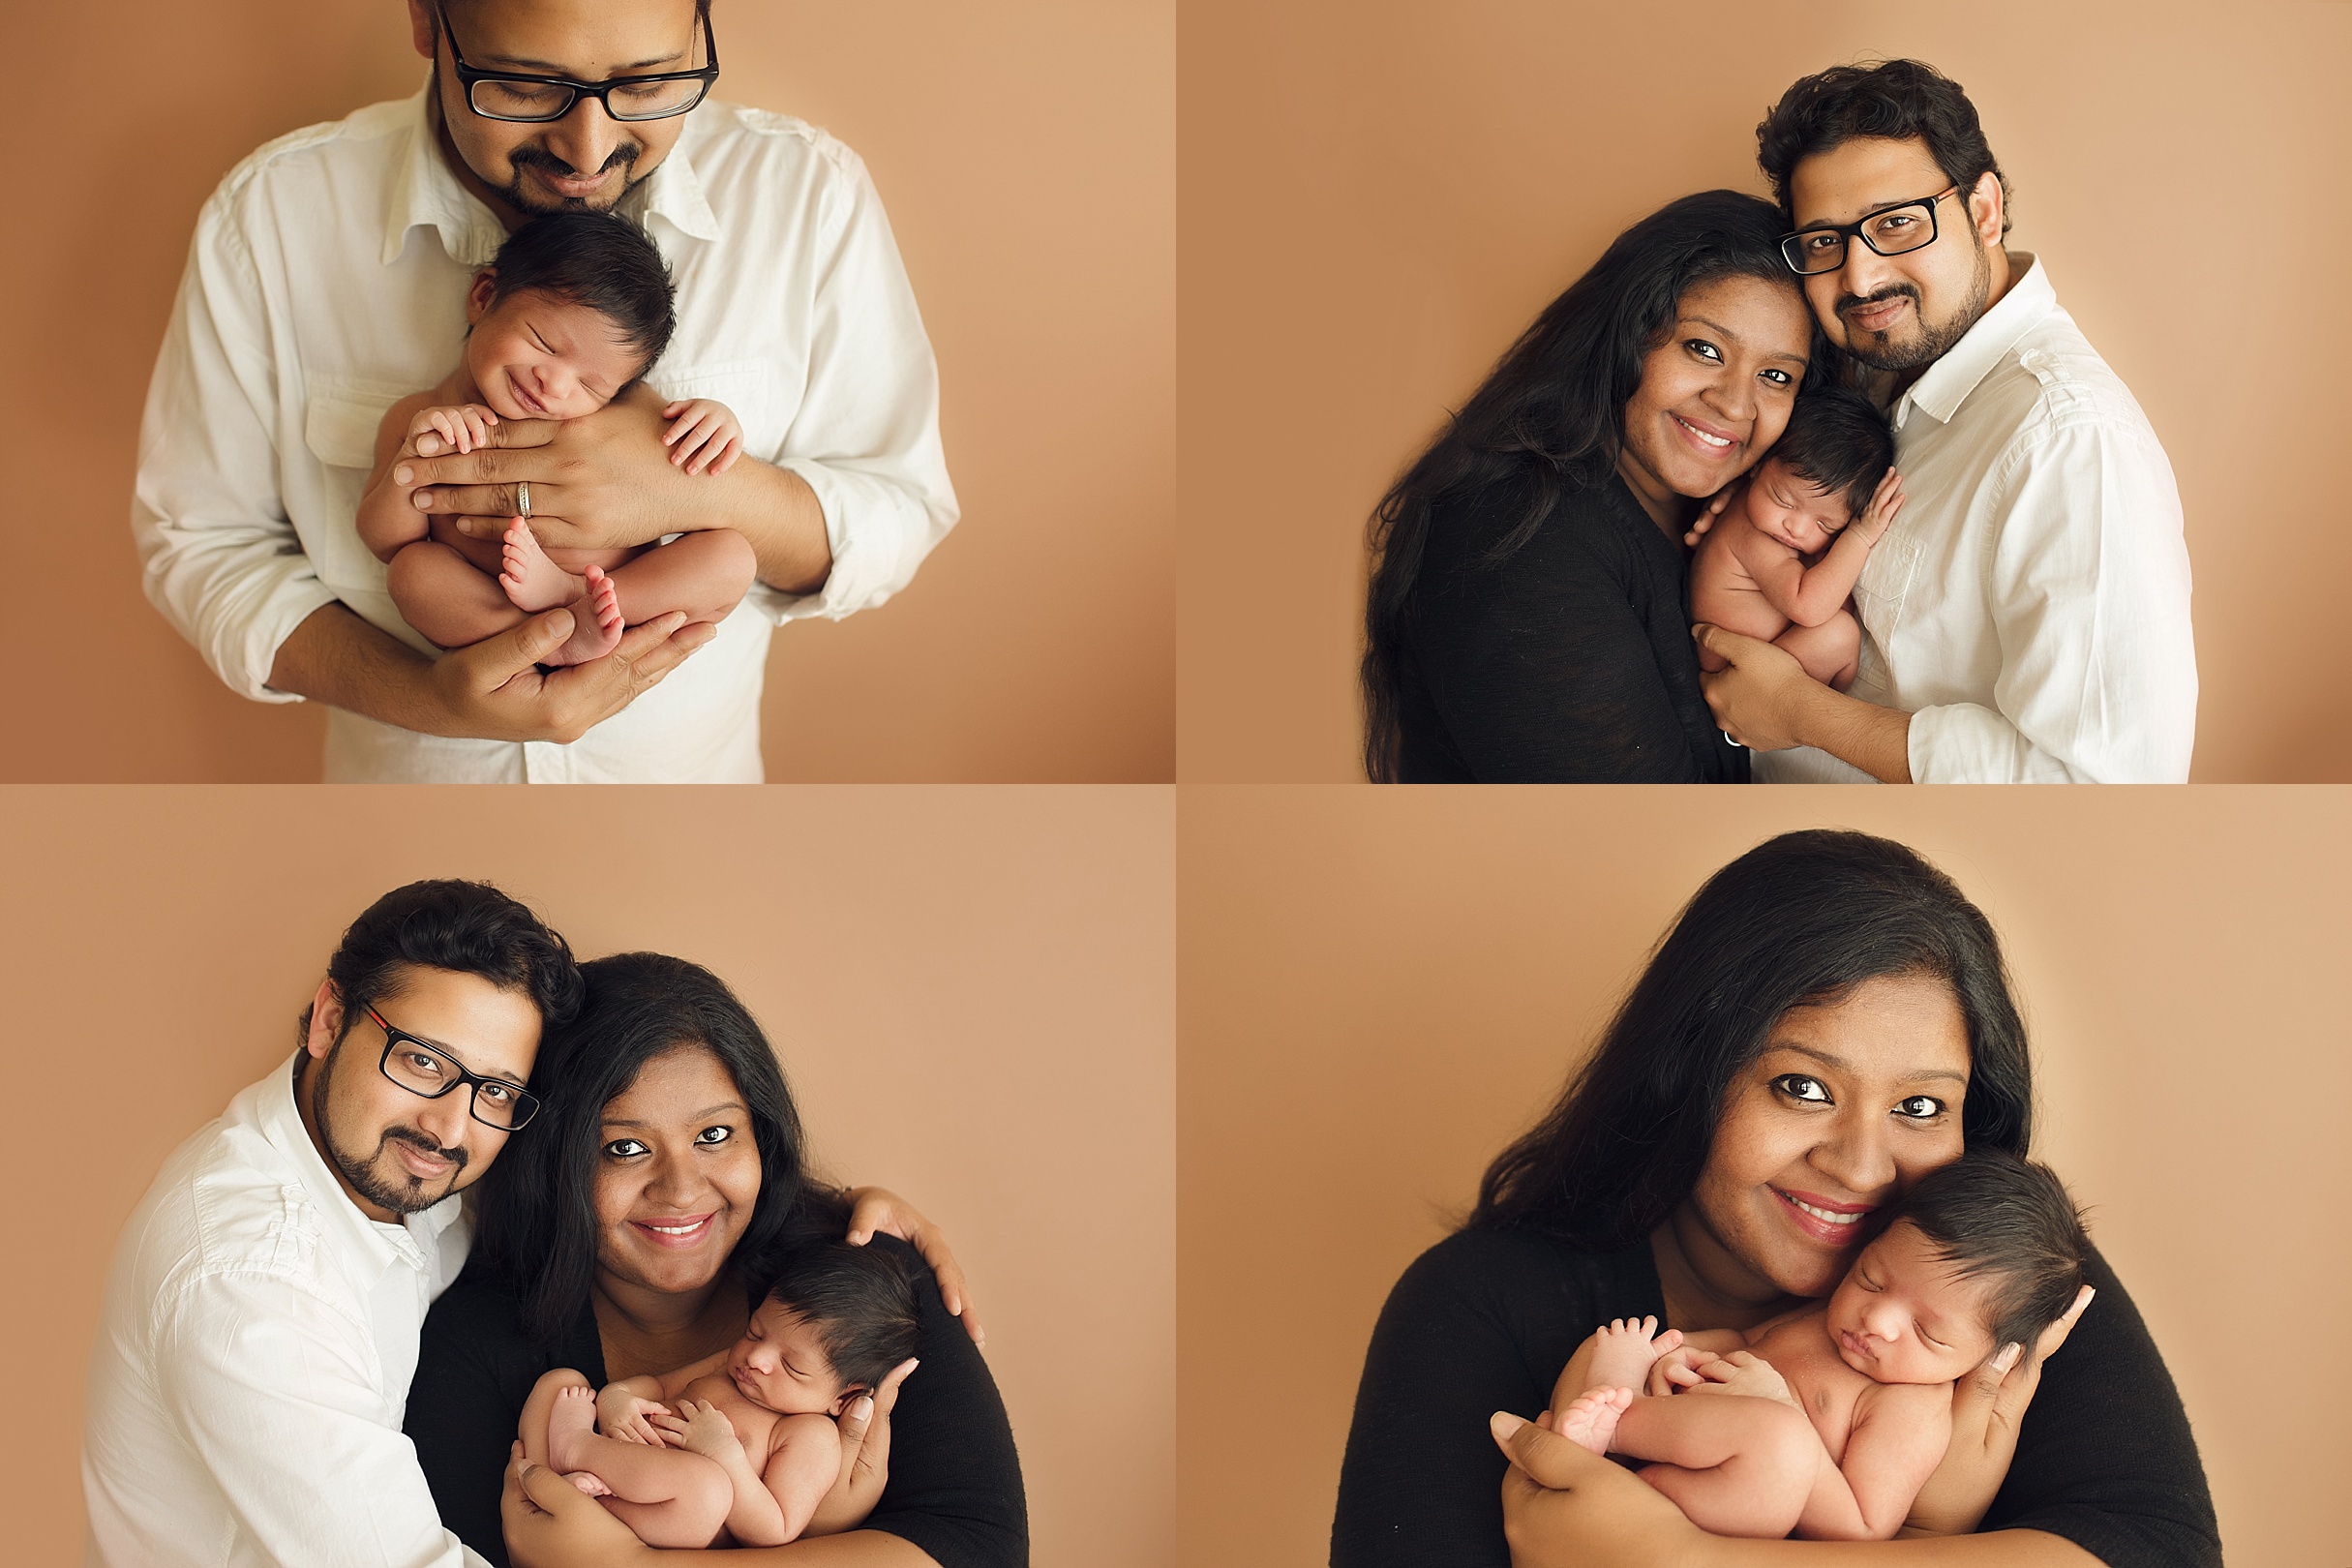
(625, 1417)
(1879, 515)
(465, 427)
(703, 435)
(700, 1426)
(1744, 1371)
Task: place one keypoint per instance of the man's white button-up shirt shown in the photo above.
(2030, 606)
(252, 1363)
(327, 279)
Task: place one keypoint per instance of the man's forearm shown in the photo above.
(776, 510)
(1864, 735)
(337, 658)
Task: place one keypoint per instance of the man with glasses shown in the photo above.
(261, 1322)
(2027, 617)
(328, 279)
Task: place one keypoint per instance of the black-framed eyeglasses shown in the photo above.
(1906, 226)
(506, 95)
(425, 1068)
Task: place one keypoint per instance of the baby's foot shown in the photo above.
(1625, 1348)
(569, 1427)
(1591, 1418)
(595, 622)
(532, 581)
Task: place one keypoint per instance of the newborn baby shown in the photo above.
(1828, 1420)
(1780, 562)
(571, 313)
(742, 1444)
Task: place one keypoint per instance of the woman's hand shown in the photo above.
(551, 1524)
(874, 1209)
(865, 1459)
(1565, 1506)
(1987, 1406)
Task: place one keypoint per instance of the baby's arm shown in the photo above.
(387, 519)
(1900, 1431)
(761, 1514)
(802, 1467)
(1811, 595)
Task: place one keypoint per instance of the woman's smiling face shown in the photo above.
(1716, 390)
(1850, 1103)
(676, 1176)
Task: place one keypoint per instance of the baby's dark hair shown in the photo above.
(1991, 1213)
(1837, 440)
(861, 1300)
(597, 259)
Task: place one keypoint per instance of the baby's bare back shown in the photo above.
(1723, 593)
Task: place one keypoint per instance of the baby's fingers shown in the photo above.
(734, 449)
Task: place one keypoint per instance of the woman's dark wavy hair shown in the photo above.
(1799, 919)
(537, 1228)
(1554, 411)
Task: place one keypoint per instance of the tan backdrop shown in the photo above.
(1380, 194)
(972, 991)
(1026, 151)
(1380, 990)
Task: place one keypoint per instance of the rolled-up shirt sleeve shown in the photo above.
(2087, 585)
(220, 558)
(268, 1384)
(866, 440)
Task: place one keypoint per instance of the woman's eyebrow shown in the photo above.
(732, 1105)
(1828, 1060)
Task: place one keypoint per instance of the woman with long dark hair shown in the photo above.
(1526, 618)
(632, 1231)
(1827, 1020)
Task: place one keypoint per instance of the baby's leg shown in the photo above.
(669, 1497)
(534, 583)
(705, 574)
(1750, 614)
(1735, 1465)
(806, 1463)
(1830, 652)
(442, 595)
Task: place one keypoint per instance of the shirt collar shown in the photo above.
(1950, 381)
(424, 191)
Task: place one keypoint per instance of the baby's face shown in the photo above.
(1903, 1314)
(538, 357)
(1796, 512)
(780, 1364)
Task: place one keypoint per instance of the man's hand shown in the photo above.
(494, 690)
(1987, 1405)
(606, 482)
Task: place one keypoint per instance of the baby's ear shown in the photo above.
(478, 297)
(850, 1395)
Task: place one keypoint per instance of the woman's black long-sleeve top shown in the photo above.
(1568, 661)
(1485, 1321)
(954, 1486)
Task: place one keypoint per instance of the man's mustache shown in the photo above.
(1848, 302)
(623, 156)
(409, 1136)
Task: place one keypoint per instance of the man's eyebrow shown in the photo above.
(1866, 212)
(1826, 1059)
(500, 1074)
(548, 67)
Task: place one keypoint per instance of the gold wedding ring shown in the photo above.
(523, 499)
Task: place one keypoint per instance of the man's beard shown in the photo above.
(401, 1193)
(624, 158)
(1871, 348)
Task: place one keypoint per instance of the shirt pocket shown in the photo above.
(747, 386)
(338, 424)
(1885, 580)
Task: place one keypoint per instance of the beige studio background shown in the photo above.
(1380, 194)
(971, 990)
(1025, 151)
(1380, 988)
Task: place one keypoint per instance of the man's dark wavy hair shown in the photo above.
(1797, 920)
(538, 1227)
(465, 928)
(1552, 414)
(1893, 100)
